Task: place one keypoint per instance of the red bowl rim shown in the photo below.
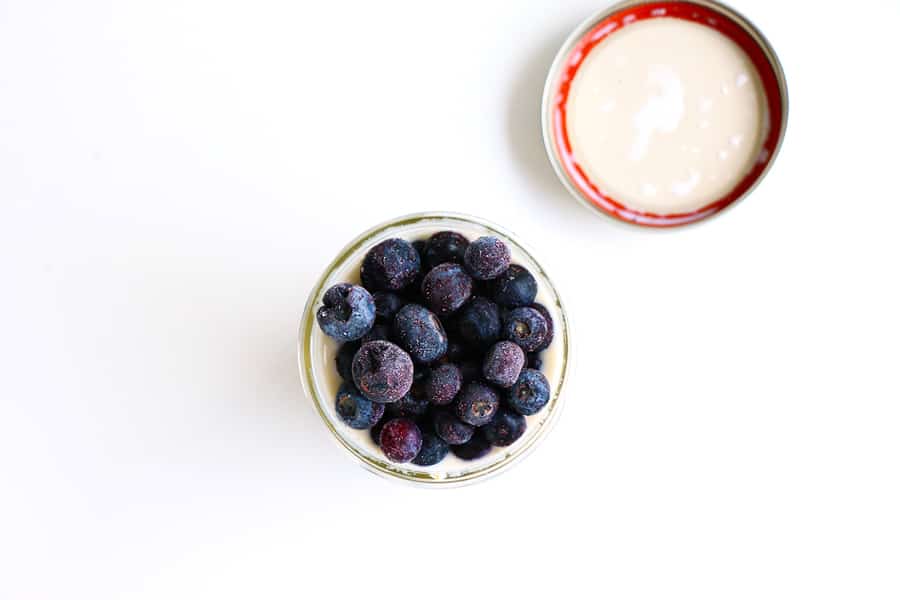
(598, 28)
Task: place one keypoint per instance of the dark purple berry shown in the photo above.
(525, 326)
(445, 247)
(530, 393)
(515, 287)
(442, 384)
(475, 448)
(546, 314)
(434, 449)
(343, 360)
(506, 427)
(476, 404)
(382, 371)
(450, 429)
(487, 258)
(379, 331)
(446, 288)
(420, 332)
(386, 306)
(414, 404)
(391, 265)
(503, 363)
(470, 370)
(400, 440)
(348, 312)
(535, 361)
(356, 410)
(478, 323)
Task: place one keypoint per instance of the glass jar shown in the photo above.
(321, 381)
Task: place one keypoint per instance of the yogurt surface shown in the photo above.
(666, 116)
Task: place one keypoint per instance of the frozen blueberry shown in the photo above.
(450, 429)
(375, 431)
(445, 247)
(487, 258)
(530, 393)
(478, 323)
(474, 449)
(348, 312)
(535, 361)
(391, 265)
(343, 360)
(356, 410)
(414, 404)
(515, 287)
(503, 363)
(446, 288)
(476, 404)
(525, 326)
(546, 314)
(382, 371)
(506, 427)
(470, 370)
(400, 440)
(442, 384)
(420, 332)
(434, 449)
(386, 306)
(379, 331)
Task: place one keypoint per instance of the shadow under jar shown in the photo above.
(321, 381)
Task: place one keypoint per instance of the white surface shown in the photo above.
(174, 175)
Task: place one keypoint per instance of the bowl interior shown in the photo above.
(598, 29)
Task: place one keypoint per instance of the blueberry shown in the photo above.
(434, 449)
(400, 440)
(442, 384)
(546, 314)
(478, 323)
(419, 246)
(450, 429)
(515, 287)
(420, 332)
(446, 288)
(414, 404)
(535, 361)
(525, 326)
(470, 370)
(343, 360)
(445, 247)
(506, 427)
(379, 331)
(476, 404)
(503, 363)
(386, 306)
(391, 265)
(475, 448)
(356, 410)
(348, 312)
(530, 393)
(487, 258)
(375, 431)
(382, 371)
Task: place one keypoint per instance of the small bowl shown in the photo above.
(603, 24)
(320, 379)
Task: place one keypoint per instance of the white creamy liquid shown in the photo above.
(666, 116)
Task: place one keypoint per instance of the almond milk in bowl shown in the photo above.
(321, 382)
(664, 113)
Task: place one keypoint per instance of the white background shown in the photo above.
(174, 174)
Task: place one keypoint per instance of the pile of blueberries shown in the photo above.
(440, 347)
